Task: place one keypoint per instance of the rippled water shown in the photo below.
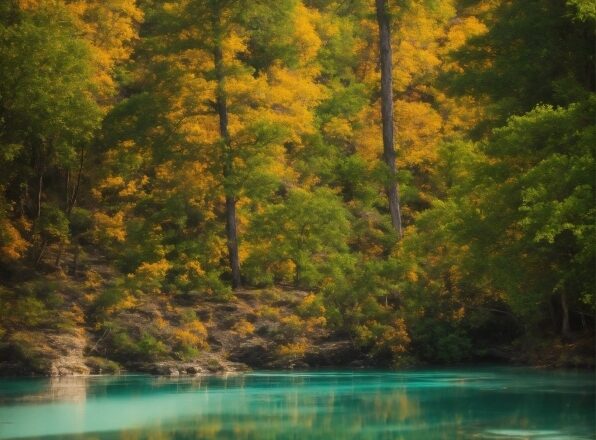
(447, 404)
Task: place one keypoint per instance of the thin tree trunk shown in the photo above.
(75, 191)
(24, 199)
(67, 191)
(44, 245)
(391, 189)
(67, 204)
(71, 199)
(228, 168)
(565, 317)
(39, 194)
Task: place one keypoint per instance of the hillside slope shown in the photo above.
(59, 324)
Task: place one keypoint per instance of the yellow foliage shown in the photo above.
(197, 327)
(268, 312)
(368, 140)
(416, 41)
(293, 324)
(310, 307)
(129, 190)
(338, 128)
(309, 300)
(12, 245)
(462, 30)
(317, 322)
(186, 337)
(412, 276)
(244, 327)
(194, 268)
(126, 303)
(155, 270)
(109, 227)
(160, 323)
(284, 270)
(305, 34)
(396, 336)
(418, 132)
(93, 280)
(110, 28)
(193, 334)
(28, 4)
(232, 46)
(292, 95)
(293, 349)
(111, 182)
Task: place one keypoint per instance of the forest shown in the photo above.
(298, 183)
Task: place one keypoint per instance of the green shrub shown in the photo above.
(149, 348)
(81, 221)
(110, 297)
(52, 224)
(99, 365)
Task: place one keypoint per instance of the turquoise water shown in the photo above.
(448, 404)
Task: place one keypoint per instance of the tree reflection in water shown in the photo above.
(373, 405)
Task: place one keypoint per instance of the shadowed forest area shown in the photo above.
(194, 185)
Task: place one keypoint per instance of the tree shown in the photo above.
(386, 59)
(47, 107)
(211, 129)
(538, 51)
(228, 154)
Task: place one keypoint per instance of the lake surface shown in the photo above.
(446, 404)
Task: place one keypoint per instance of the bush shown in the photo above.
(99, 365)
(386, 340)
(440, 341)
(292, 326)
(268, 312)
(190, 339)
(293, 350)
(244, 328)
(29, 349)
(52, 224)
(110, 297)
(149, 348)
(311, 229)
(311, 306)
(81, 221)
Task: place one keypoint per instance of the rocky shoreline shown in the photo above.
(206, 364)
(254, 330)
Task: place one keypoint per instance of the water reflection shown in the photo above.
(333, 405)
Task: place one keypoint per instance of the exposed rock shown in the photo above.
(254, 329)
(70, 359)
(332, 353)
(48, 354)
(256, 352)
(206, 363)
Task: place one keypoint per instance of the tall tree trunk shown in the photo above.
(391, 189)
(228, 167)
